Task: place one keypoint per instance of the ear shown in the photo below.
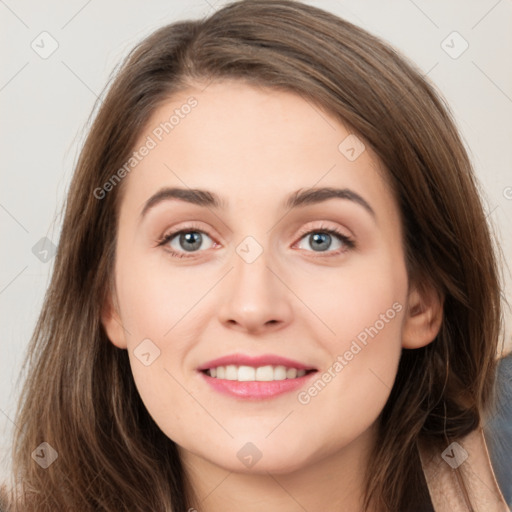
(111, 321)
(423, 317)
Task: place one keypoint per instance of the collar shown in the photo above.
(461, 478)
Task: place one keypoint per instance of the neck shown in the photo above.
(333, 482)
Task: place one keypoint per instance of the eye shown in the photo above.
(184, 242)
(187, 240)
(323, 239)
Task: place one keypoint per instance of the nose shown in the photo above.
(255, 298)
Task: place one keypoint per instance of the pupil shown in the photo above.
(192, 237)
(320, 238)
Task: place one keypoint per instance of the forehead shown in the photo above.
(247, 142)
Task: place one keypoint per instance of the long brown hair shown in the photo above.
(79, 394)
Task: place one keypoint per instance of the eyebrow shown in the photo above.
(297, 199)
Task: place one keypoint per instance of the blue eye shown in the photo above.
(321, 240)
(186, 242)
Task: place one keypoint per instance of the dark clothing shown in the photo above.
(498, 430)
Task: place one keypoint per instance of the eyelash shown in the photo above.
(346, 240)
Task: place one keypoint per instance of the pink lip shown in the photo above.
(256, 390)
(263, 360)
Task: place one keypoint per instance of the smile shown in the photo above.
(266, 373)
(255, 377)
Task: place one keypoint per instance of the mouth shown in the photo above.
(266, 373)
(256, 378)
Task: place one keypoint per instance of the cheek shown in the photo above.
(161, 320)
(154, 300)
(359, 299)
(364, 306)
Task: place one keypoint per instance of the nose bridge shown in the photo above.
(252, 284)
(251, 272)
(255, 298)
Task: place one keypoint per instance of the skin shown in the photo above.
(253, 147)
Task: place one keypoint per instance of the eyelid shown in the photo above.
(183, 227)
(346, 239)
(324, 226)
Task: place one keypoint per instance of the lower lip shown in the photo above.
(255, 389)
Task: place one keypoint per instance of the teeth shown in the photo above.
(246, 373)
(265, 373)
(231, 372)
(291, 373)
(249, 374)
(280, 373)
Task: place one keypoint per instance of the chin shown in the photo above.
(240, 455)
(269, 463)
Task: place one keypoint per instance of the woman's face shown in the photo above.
(255, 228)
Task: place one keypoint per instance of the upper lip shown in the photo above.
(254, 361)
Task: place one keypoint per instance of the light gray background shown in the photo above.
(45, 104)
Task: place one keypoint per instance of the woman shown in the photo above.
(269, 292)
